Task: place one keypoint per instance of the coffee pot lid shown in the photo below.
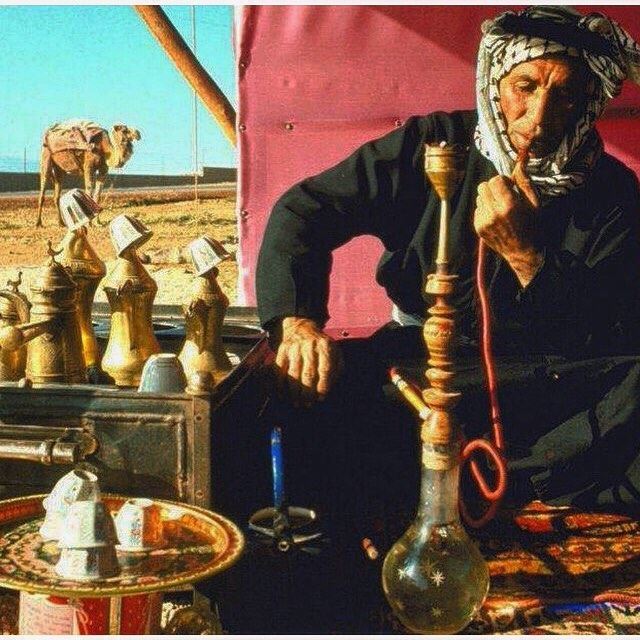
(127, 232)
(78, 209)
(207, 253)
(53, 276)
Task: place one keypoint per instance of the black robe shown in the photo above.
(566, 343)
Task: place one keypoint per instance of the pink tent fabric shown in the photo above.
(317, 81)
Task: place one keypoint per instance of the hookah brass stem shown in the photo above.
(442, 257)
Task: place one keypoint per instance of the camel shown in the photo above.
(81, 147)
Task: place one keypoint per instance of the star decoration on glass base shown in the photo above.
(435, 612)
(403, 573)
(437, 577)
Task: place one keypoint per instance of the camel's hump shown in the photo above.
(76, 123)
(75, 134)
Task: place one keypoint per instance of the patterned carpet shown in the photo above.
(555, 570)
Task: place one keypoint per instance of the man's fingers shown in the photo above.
(309, 375)
(307, 361)
(501, 190)
(325, 373)
(523, 182)
(485, 199)
(294, 373)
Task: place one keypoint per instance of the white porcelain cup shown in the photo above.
(139, 525)
(207, 253)
(162, 373)
(87, 525)
(78, 484)
(88, 564)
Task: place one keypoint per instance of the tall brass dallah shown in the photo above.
(54, 352)
(130, 291)
(14, 310)
(204, 312)
(84, 265)
(434, 577)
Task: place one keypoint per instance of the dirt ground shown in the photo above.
(174, 221)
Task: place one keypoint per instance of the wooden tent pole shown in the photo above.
(186, 62)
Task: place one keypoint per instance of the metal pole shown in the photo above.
(24, 160)
(177, 49)
(195, 110)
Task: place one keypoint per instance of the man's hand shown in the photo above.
(308, 360)
(505, 220)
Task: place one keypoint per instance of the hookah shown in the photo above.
(434, 577)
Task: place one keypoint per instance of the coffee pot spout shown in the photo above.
(13, 338)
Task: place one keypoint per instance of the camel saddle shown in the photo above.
(72, 135)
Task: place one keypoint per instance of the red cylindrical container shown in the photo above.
(116, 615)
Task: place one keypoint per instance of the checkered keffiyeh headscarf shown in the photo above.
(610, 54)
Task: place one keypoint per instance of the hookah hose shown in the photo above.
(493, 450)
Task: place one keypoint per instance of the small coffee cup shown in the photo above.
(87, 543)
(162, 373)
(78, 484)
(139, 525)
(88, 564)
(87, 525)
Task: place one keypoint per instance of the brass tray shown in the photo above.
(198, 544)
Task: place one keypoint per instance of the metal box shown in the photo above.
(174, 445)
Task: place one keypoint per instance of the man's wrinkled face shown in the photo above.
(540, 100)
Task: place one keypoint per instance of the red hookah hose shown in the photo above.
(493, 450)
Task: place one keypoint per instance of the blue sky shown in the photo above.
(100, 62)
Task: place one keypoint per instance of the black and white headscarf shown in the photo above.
(512, 38)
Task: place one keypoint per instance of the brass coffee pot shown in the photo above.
(204, 312)
(84, 265)
(87, 270)
(130, 291)
(14, 309)
(54, 352)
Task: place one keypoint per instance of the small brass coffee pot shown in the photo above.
(83, 263)
(130, 291)
(203, 349)
(14, 309)
(54, 351)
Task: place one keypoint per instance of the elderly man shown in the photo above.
(562, 220)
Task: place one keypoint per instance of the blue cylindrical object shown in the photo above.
(277, 466)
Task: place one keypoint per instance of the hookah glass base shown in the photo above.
(439, 590)
(434, 577)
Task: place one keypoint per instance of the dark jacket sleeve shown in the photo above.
(585, 300)
(323, 212)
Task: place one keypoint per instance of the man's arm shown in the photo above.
(579, 299)
(307, 223)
